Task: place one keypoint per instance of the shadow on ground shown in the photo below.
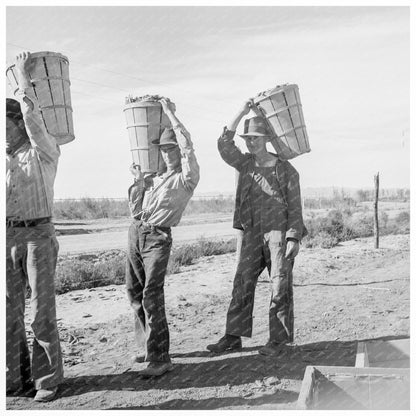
(225, 370)
(280, 396)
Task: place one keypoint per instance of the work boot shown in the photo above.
(226, 343)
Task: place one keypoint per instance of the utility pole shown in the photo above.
(376, 230)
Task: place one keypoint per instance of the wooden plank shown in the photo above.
(362, 371)
(361, 358)
(306, 391)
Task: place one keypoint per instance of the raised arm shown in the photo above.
(136, 191)
(190, 167)
(41, 140)
(235, 121)
(230, 153)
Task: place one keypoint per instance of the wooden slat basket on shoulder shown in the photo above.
(145, 123)
(50, 79)
(282, 108)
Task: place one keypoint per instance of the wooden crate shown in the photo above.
(352, 388)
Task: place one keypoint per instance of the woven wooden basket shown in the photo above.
(50, 79)
(145, 123)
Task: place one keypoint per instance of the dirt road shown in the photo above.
(80, 238)
(348, 293)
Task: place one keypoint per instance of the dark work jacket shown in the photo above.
(288, 179)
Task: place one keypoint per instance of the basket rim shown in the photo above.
(42, 54)
(276, 90)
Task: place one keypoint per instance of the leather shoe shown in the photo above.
(226, 343)
(46, 395)
(272, 348)
(155, 369)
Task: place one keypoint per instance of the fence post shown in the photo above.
(376, 229)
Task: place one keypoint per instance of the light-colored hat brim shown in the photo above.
(163, 144)
(254, 134)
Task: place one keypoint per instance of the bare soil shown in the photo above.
(344, 294)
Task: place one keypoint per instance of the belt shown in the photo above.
(27, 223)
(165, 231)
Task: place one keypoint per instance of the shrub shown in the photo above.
(88, 272)
(403, 218)
(343, 225)
(360, 225)
(90, 208)
(332, 225)
(322, 240)
(186, 254)
(400, 224)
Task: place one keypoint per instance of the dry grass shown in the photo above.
(343, 225)
(88, 271)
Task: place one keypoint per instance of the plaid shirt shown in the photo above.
(286, 212)
(162, 200)
(31, 170)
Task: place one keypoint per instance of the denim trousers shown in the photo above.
(31, 254)
(147, 260)
(256, 251)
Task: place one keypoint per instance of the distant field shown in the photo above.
(392, 208)
(98, 208)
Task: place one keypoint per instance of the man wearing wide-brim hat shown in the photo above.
(268, 210)
(157, 203)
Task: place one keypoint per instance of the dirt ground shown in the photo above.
(348, 293)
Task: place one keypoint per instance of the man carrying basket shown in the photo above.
(268, 210)
(157, 204)
(31, 245)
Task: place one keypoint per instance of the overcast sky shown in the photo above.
(351, 65)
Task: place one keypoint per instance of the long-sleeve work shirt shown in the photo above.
(31, 170)
(284, 213)
(161, 200)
